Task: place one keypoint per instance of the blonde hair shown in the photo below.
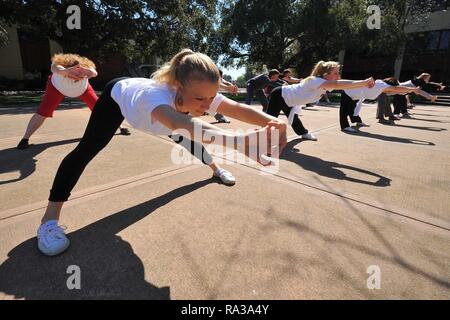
(68, 60)
(185, 66)
(321, 69)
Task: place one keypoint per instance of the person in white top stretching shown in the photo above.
(324, 77)
(352, 100)
(181, 90)
(70, 77)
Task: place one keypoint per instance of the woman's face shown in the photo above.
(196, 96)
(333, 75)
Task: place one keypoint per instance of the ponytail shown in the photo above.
(185, 66)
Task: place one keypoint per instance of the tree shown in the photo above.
(296, 34)
(3, 34)
(132, 28)
(257, 31)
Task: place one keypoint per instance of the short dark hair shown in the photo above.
(274, 72)
(286, 71)
(392, 81)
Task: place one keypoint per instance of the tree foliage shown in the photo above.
(297, 33)
(133, 28)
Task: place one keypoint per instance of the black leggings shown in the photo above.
(384, 106)
(400, 104)
(347, 109)
(277, 103)
(103, 123)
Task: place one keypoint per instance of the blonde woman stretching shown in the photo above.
(324, 77)
(182, 89)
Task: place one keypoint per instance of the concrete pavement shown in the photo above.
(143, 227)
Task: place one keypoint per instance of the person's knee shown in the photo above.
(46, 113)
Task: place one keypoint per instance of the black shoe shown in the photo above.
(221, 118)
(384, 121)
(23, 144)
(125, 132)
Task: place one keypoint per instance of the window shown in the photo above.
(432, 40)
(445, 40)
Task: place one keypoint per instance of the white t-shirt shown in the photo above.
(69, 87)
(362, 94)
(367, 93)
(304, 92)
(138, 97)
(407, 84)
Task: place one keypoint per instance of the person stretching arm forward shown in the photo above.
(70, 77)
(324, 77)
(187, 84)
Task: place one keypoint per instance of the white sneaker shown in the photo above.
(350, 129)
(51, 238)
(309, 136)
(225, 176)
(362, 124)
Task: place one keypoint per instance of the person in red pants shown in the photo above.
(70, 78)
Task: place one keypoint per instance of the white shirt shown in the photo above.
(297, 95)
(304, 92)
(138, 97)
(69, 87)
(407, 84)
(366, 93)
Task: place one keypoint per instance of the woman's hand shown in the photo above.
(370, 82)
(266, 142)
(79, 72)
(282, 137)
(417, 90)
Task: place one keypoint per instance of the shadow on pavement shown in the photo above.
(109, 267)
(23, 161)
(390, 138)
(327, 168)
(418, 128)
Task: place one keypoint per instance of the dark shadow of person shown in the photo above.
(429, 115)
(418, 128)
(24, 161)
(427, 120)
(327, 168)
(109, 267)
(390, 138)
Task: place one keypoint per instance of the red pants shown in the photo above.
(52, 98)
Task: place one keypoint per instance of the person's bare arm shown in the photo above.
(209, 133)
(347, 84)
(401, 90)
(245, 113)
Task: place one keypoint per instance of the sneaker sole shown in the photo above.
(225, 183)
(54, 253)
